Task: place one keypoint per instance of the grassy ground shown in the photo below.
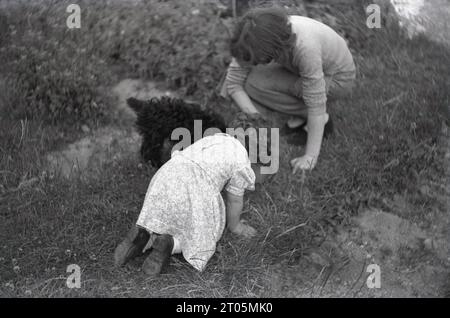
(385, 144)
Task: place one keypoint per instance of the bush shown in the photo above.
(56, 71)
(55, 75)
(177, 41)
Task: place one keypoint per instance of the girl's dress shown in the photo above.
(184, 196)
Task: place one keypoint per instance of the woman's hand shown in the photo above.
(306, 162)
(244, 230)
(244, 102)
(316, 126)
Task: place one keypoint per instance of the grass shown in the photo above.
(385, 144)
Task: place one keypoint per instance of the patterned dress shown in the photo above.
(184, 196)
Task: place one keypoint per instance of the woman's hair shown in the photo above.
(248, 129)
(261, 35)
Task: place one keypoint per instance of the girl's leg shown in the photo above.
(159, 257)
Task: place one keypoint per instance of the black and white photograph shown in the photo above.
(241, 152)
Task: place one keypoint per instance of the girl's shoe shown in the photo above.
(131, 246)
(159, 257)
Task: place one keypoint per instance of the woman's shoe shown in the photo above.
(159, 257)
(301, 136)
(329, 129)
(131, 246)
(288, 130)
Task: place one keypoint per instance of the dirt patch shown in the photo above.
(389, 233)
(413, 257)
(409, 260)
(90, 153)
(109, 144)
(138, 89)
(415, 17)
(425, 17)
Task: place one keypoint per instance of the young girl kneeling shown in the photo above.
(184, 207)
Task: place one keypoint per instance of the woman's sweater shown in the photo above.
(319, 51)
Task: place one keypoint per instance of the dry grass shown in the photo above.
(385, 143)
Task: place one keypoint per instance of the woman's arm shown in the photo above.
(235, 81)
(244, 102)
(313, 87)
(316, 125)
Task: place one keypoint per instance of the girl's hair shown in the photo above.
(244, 125)
(261, 35)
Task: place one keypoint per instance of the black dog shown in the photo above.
(158, 117)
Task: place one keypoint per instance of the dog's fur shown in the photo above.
(158, 117)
